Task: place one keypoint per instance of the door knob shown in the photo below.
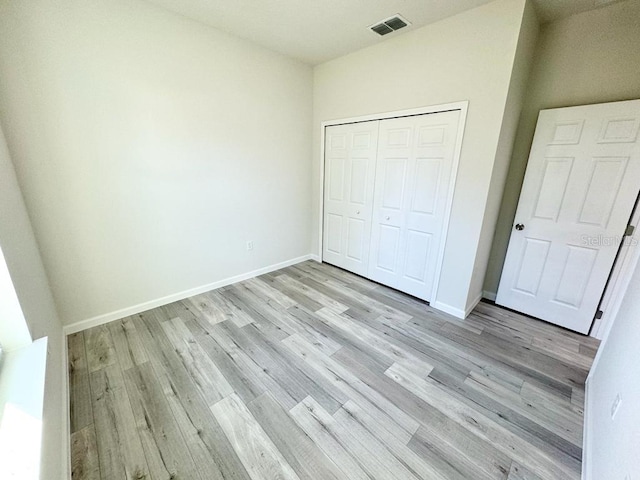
(387, 218)
(358, 212)
(519, 226)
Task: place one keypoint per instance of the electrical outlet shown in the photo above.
(615, 406)
(250, 245)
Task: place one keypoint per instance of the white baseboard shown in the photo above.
(142, 307)
(66, 431)
(443, 307)
(472, 305)
(489, 295)
(457, 312)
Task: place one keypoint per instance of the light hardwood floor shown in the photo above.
(311, 372)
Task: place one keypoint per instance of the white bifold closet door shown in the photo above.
(413, 173)
(350, 162)
(386, 188)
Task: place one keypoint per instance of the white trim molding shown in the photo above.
(456, 312)
(142, 307)
(489, 295)
(463, 106)
(66, 414)
(474, 303)
(621, 274)
(443, 307)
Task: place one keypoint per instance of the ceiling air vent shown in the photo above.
(389, 25)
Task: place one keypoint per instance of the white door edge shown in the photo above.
(621, 274)
(463, 106)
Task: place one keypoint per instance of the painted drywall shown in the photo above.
(466, 57)
(515, 99)
(14, 333)
(592, 57)
(30, 281)
(150, 148)
(611, 450)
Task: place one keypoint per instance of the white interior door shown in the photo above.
(581, 184)
(413, 173)
(350, 154)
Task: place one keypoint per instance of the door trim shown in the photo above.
(463, 106)
(621, 273)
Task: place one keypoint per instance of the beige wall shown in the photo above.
(513, 109)
(591, 57)
(29, 279)
(466, 57)
(150, 148)
(611, 449)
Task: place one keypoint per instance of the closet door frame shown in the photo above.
(463, 106)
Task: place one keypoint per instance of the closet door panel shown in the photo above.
(414, 168)
(418, 247)
(350, 152)
(357, 241)
(386, 259)
(393, 162)
(333, 227)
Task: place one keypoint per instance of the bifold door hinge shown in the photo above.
(629, 231)
(599, 314)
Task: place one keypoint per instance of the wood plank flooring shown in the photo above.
(311, 373)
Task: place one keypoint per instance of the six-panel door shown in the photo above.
(580, 187)
(350, 161)
(413, 173)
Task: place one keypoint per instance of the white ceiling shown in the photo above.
(315, 31)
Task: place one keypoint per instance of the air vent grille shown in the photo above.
(389, 25)
(396, 23)
(382, 29)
